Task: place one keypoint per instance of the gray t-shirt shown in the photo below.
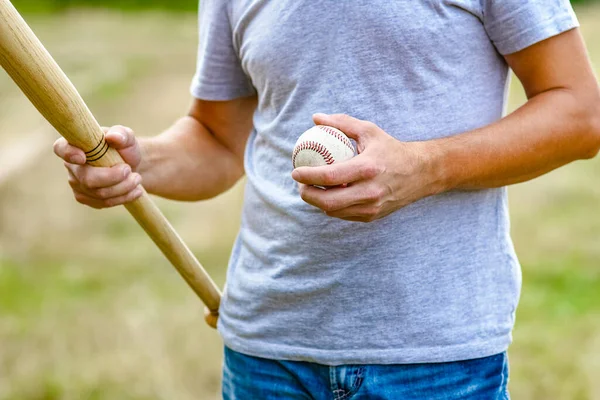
(435, 281)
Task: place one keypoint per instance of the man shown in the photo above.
(419, 302)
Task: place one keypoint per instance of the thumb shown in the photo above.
(120, 137)
(124, 141)
(357, 129)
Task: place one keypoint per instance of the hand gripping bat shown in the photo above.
(34, 70)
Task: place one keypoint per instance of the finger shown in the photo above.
(89, 201)
(112, 202)
(358, 213)
(354, 128)
(127, 198)
(332, 199)
(120, 137)
(98, 177)
(336, 174)
(120, 189)
(123, 139)
(69, 153)
(73, 182)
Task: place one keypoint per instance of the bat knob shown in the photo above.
(211, 317)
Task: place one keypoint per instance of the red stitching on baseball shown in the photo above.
(338, 135)
(316, 147)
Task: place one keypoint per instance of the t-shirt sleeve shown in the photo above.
(513, 25)
(219, 74)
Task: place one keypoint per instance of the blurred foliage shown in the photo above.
(59, 5)
(176, 5)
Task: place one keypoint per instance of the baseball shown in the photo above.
(322, 145)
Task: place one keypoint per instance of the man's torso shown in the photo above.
(435, 281)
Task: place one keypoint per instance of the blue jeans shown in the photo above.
(253, 378)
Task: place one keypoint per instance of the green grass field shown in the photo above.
(89, 309)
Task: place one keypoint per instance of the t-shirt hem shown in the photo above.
(418, 355)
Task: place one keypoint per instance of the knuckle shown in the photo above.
(302, 190)
(380, 193)
(80, 198)
(73, 184)
(373, 194)
(88, 181)
(330, 176)
(134, 194)
(57, 146)
(370, 126)
(370, 170)
(371, 212)
(116, 128)
(72, 180)
(124, 128)
(129, 186)
(328, 206)
(103, 193)
(376, 213)
(110, 202)
(93, 182)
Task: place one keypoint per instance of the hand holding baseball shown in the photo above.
(385, 176)
(101, 187)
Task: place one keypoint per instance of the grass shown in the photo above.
(555, 226)
(89, 309)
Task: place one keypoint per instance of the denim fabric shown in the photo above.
(252, 378)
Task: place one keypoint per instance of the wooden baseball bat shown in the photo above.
(34, 70)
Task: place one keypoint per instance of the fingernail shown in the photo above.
(137, 180)
(138, 192)
(126, 171)
(319, 115)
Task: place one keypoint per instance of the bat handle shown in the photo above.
(147, 214)
(150, 218)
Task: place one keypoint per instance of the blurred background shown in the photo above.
(89, 309)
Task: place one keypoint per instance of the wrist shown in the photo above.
(147, 152)
(436, 167)
(151, 151)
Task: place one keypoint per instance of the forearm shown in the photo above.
(188, 163)
(550, 130)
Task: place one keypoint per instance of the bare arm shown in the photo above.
(199, 157)
(202, 154)
(560, 123)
